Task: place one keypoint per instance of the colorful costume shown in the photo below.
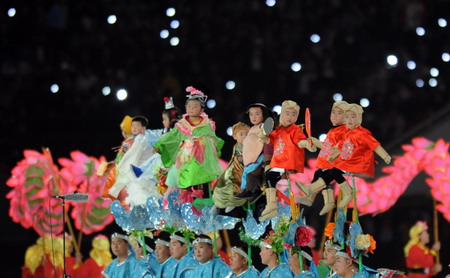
(280, 271)
(193, 150)
(215, 268)
(334, 136)
(185, 267)
(125, 269)
(249, 273)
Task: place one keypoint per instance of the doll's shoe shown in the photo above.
(267, 126)
(305, 200)
(229, 209)
(136, 170)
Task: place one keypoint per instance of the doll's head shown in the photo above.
(353, 116)
(171, 114)
(289, 113)
(125, 126)
(338, 112)
(138, 125)
(256, 114)
(195, 103)
(240, 131)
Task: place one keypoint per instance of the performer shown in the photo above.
(192, 146)
(125, 264)
(356, 156)
(420, 260)
(274, 268)
(229, 182)
(100, 258)
(289, 142)
(334, 138)
(239, 265)
(294, 263)
(179, 251)
(208, 265)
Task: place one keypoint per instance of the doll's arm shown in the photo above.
(306, 145)
(383, 154)
(316, 142)
(263, 137)
(335, 152)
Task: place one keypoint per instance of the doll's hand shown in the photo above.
(316, 142)
(307, 145)
(437, 268)
(436, 246)
(335, 152)
(387, 159)
(262, 137)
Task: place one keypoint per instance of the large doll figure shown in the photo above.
(420, 260)
(288, 142)
(335, 137)
(356, 156)
(192, 147)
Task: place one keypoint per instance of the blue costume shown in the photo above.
(126, 269)
(280, 271)
(249, 273)
(150, 266)
(167, 269)
(215, 268)
(185, 267)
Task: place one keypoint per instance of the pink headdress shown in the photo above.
(196, 94)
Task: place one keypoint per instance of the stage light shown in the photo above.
(442, 22)
(296, 66)
(230, 85)
(112, 19)
(174, 24)
(434, 72)
(322, 137)
(211, 103)
(315, 38)
(122, 94)
(337, 97)
(420, 83)
(411, 65)
(229, 131)
(364, 102)
(392, 60)
(164, 34)
(277, 109)
(271, 3)
(174, 41)
(106, 90)
(445, 57)
(54, 88)
(420, 31)
(11, 12)
(432, 82)
(170, 12)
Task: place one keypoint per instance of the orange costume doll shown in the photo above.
(420, 260)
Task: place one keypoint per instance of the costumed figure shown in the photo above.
(186, 263)
(334, 138)
(144, 249)
(162, 252)
(356, 156)
(192, 147)
(421, 260)
(208, 265)
(255, 154)
(289, 143)
(100, 258)
(307, 262)
(229, 182)
(239, 265)
(125, 264)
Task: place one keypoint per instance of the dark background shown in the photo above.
(70, 43)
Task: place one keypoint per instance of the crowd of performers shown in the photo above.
(182, 161)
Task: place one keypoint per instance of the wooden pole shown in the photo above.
(436, 228)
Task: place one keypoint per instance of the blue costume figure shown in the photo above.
(270, 257)
(279, 271)
(239, 265)
(209, 267)
(125, 265)
(179, 251)
(167, 269)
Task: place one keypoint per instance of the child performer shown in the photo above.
(289, 155)
(334, 138)
(356, 156)
(230, 181)
(192, 146)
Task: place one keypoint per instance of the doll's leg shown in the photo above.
(271, 209)
(343, 186)
(317, 185)
(309, 200)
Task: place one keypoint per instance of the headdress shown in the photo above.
(239, 251)
(358, 110)
(196, 94)
(201, 239)
(125, 125)
(100, 251)
(288, 104)
(239, 126)
(124, 237)
(414, 233)
(341, 104)
(168, 103)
